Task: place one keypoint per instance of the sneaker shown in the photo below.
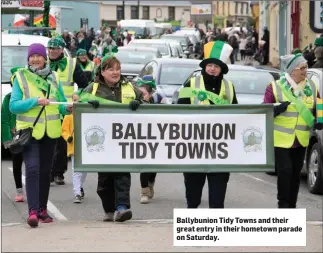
(151, 190)
(59, 180)
(33, 219)
(108, 217)
(44, 217)
(123, 215)
(144, 199)
(82, 193)
(19, 195)
(77, 199)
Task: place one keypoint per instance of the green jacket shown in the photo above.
(8, 120)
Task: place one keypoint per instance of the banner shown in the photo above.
(201, 9)
(174, 138)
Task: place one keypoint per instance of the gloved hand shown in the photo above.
(94, 103)
(318, 126)
(134, 104)
(278, 109)
(70, 139)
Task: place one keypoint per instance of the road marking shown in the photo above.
(50, 206)
(9, 224)
(275, 186)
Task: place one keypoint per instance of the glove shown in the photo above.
(70, 139)
(278, 109)
(318, 126)
(134, 104)
(94, 103)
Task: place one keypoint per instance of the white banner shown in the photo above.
(201, 9)
(124, 139)
(239, 227)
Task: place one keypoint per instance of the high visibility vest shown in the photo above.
(49, 120)
(127, 92)
(66, 78)
(226, 91)
(290, 124)
(89, 66)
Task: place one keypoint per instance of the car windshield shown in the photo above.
(176, 74)
(181, 40)
(135, 57)
(161, 47)
(255, 82)
(12, 56)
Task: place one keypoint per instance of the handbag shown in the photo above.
(22, 138)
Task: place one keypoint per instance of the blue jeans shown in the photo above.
(38, 158)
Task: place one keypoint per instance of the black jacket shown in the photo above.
(212, 84)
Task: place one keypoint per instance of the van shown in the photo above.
(140, 28)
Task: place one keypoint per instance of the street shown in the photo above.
(257, 190)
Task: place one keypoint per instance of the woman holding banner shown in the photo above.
(215, 90)
(293, 119)
(38, 127)
(111, 87)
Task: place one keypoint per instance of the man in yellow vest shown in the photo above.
(85, 63)
(216, 54)
(294, 118)
(69, 72)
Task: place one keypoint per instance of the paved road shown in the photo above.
(257, 190)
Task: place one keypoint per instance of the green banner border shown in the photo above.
(175, 109)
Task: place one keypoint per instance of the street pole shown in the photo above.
(124, 10)
(138, 9)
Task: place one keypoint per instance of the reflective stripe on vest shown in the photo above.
(290, 125)
(66, 78)
(49, 121)
(127, 92)
(197, 85)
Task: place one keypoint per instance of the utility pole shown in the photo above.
(124, 10)
(138, 9)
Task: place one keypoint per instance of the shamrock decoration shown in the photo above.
(308, 91)
(115, 49)
(201, 95)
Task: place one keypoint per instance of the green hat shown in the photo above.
(147, 80)
(81, 52)
(15, 69)
(319, 42)
(109, 55)
(217, 52)
(296, 51)
(57, 42)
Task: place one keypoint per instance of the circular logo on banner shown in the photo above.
(94, 138)
(252, 139)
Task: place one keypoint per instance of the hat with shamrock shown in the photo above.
(318, 42)
(81, 52)
(57, 42)
(109, 54)
(217, 52)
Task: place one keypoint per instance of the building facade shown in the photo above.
(231, 13)
(292, 24)
(113, 11)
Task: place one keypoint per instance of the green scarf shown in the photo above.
(86, 97)
(202, 95)
(303, 111)
(60, 64)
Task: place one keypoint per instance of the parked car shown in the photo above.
(176, 46)
(313, 166)
(249, 82)
(14, 53)
(133, 59)
(162, 46)
(169, 74)
(183, 39)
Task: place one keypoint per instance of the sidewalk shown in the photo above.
(133, 236)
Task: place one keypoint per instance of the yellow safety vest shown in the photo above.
(66, 78)
(290, 124)
(127, 92)
(49, 120)
(89, 66)
(226, 91)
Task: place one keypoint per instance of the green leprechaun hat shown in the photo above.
(217, 52)
(109, 54)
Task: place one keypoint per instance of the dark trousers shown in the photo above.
(194, 183)
(289, 163)
(114, 190)
(146, 178)
(38, 158)
(60, 158)
(17, 160)
(242, 53)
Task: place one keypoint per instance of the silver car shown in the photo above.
(161, 45)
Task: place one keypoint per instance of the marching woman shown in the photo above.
(85, 63)
(293, 119)
(109, 85)
(38, 127)
(216, 54)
